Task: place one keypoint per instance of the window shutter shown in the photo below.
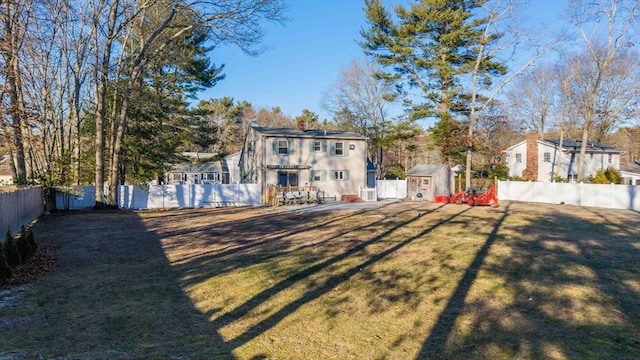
(323, 175)
(290, 149)
(274, 145)
(346, 174)
(311, 175)
(346, 148)
(324, 145)
(333, 148)
(312, 145)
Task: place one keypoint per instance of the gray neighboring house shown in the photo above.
(223, 171)
(630, 171)
(429, 180)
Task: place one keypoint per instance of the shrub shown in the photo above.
(608, 176)
(5, 269)
(25, 244)
(11, 250)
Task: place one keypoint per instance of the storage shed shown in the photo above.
(425, 181)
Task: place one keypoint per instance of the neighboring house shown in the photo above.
(6, 178)
(630, 171)
(538, 160)
(333, 161)
(199, 171)
(429, 180)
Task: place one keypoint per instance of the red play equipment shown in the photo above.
(472, 197)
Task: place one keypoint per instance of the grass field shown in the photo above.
(407, 280)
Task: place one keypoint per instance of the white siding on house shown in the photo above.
(564, 165)
(333, 161)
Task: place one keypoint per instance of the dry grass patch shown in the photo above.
(521, 281)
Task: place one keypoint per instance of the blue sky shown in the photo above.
(306, 55)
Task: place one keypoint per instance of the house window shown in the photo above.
(287, 178)
(212, 177)
(425, 182)
(610, 158)
(317, 177)
(317, 146)
(339, 149)
(547, 157)
(518, 158)
(338, 175)
(283, 147)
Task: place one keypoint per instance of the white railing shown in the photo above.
(597, 195)
(368, 194)
(20, 207)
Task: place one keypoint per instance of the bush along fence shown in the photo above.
(597, 195)
(16, 251)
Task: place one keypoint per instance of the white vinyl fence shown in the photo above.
(596, 195)
(165, 196)
(189, 196)
(20, 207)
(391, 189)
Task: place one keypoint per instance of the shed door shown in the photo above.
(426, 187)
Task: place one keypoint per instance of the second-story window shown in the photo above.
(547, 157)
(317, 146)
(339, 149)
(610, 158)
(283, 147)
(518, 158)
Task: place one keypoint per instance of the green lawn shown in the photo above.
(526, 281)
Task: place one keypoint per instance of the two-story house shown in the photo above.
(540, 160)
(333, 161)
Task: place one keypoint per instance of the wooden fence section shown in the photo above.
(20, 207)
(597, 195)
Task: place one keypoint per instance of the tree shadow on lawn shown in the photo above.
(356, 256)
(113, 296)
(568, 287)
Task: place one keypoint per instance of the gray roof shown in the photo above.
(591, 145)
(424, 169)
(309, 133)
(631, 167)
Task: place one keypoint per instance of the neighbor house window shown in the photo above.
(610, 158)
(317, 146)
(518, 158)
(339, 148)
(425, 182)
(547, 157)
(283, 147)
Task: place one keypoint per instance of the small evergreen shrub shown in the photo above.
(5, 269)
(26, 244)
(11, 250)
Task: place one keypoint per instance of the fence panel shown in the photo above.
(189, 196)
(391, 189)
(597, 195)
(20, 207)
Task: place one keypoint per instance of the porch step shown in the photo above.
(351, 198)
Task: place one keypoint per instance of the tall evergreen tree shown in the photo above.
(433, 47)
